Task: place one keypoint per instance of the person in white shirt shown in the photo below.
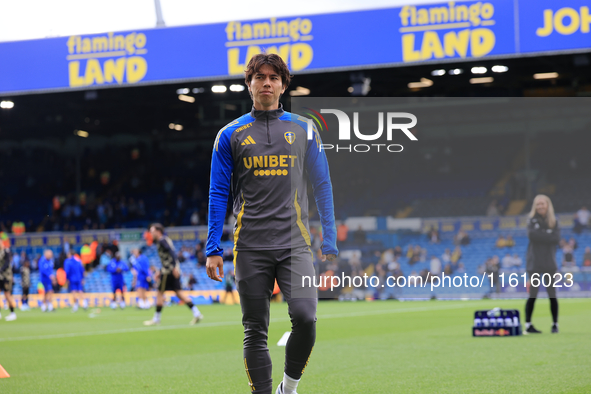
(582, 219)
(517, 261)
(446, 256)
(435, 266)
(507, 261)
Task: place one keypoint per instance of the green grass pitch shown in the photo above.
(361, 347)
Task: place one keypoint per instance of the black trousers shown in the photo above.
(256, 273)
(533, 294)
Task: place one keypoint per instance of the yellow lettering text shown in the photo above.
(482, 41)
(93, 73)
(456, 43)
(431, 46)
(115, 70)
(409, 54)
(137, 67)
(559, 21)
(258, 161)
(548, 27)
(282, 161)
(301, 56)
(74, 73)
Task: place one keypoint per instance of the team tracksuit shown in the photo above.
(265, 158)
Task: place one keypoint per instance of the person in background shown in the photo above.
(462, 238)
(16, 262)
(573, 243)
(142, 277)
(25, 284)
(587, 257)
(455, 257)
(195, 218)
(106, 257)
(509, 242)
(461, 269)
(492, 267)
(229, 281)
(342, 232)
(117, 267)
(568, 256)
(6, 280)
(493, 209)
(433, 235)
(517, 261)
(192, 282)
(581, 220)
(75, 275)
(360, 237)
(47, 274)
(501, 242)
(507, 261)
(169, 278)
(544, 236)
(446, 257)
(435, 266)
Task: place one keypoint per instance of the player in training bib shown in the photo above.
(266, 159)
(25, 284)
(6, 280)
(170, 275)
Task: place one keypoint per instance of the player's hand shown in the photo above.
(329, 257)
(213, 263)
(176, 273)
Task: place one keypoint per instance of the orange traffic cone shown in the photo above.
(3, 373)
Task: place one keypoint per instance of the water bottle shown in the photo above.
(500, 322)
(485, 322)
(508, 322)
(494, 312)
(478, 322)
(515, 321)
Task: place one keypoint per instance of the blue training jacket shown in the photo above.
(46, 268)
(142, 267)
(74, 270)
(266, 159)
(117, 277)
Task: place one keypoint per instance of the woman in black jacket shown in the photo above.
(544, 236)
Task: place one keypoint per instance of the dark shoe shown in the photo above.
(554, 329)
(532, 330)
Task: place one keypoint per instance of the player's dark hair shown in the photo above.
(273, 60)
(158, 227)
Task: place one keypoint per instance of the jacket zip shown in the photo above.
(268, 133)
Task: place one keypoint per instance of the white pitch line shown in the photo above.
(220, 324)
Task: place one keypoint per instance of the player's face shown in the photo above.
(155, 233)
(266, 87)
(542, 207)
